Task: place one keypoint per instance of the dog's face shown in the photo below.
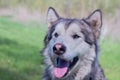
(69, 39)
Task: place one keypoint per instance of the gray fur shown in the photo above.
(86, 47)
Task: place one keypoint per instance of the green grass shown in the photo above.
(110, 57)
(20, 46)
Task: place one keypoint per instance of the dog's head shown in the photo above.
(69, 39)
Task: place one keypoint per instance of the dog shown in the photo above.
(71, 47)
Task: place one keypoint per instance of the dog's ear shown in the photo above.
(52, 16)
(95, 22)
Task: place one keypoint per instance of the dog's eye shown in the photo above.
(75, 36)
(56, 34)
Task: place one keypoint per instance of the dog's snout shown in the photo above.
(59, 49)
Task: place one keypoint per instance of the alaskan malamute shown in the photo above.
(71, 47)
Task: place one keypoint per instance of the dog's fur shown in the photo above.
(80, 37)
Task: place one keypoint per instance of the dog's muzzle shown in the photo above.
(62, 66)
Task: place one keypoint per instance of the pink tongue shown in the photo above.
(60, 72)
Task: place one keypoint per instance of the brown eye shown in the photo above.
(56, 34)
(75, 36)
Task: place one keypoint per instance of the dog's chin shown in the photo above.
(63, 68)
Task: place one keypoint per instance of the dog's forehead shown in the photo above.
(74, 27)
(69, 24)
(60, 26)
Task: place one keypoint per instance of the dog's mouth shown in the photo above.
(62, 67)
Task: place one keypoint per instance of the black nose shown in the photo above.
(59, 49)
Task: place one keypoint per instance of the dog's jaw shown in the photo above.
(64, 68)
(82, 67)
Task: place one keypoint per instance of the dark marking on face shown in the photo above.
(86, 30)
(68, 22)
(88, 33)
(49, 33)
(51, 30)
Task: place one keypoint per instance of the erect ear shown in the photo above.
(95, 22)
(52, 16)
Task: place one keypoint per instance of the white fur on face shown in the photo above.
(75, 47)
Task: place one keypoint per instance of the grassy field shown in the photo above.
(20, 46)
(110, 58)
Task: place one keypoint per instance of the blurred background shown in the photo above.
(23, 27)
